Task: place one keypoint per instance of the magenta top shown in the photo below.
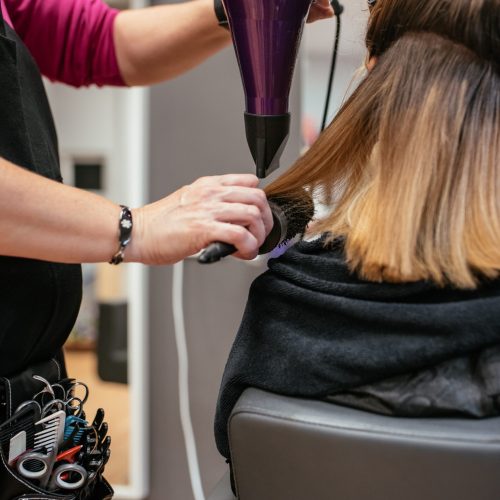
(71, 40)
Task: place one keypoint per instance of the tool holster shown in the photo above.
(15, 390)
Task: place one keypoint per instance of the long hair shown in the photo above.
(411, 164)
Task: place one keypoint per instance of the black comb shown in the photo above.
(22, 420)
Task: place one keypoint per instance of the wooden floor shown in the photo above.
(114, 398)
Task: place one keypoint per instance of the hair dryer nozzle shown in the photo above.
(266, 36)
(267, 137)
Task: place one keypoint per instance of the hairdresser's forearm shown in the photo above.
(45, 220)
(161, 42)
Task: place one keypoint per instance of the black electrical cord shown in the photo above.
(338, 9)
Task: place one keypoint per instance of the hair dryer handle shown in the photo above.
(338, 8)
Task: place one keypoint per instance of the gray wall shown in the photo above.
(196, 129)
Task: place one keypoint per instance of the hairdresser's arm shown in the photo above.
(320, 9)
(161, 42)
(43, 219)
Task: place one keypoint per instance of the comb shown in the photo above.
(24, 419)
(51, 435)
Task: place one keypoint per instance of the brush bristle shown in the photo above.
(298, 213)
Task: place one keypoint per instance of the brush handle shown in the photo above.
(215, 252)
(218, 250)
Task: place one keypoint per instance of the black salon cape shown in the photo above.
(311, 328)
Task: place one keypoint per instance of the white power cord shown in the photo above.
(183, 376)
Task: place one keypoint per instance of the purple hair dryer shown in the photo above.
(266, 36)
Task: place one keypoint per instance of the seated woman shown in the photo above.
(403, 283)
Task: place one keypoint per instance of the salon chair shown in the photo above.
(294, 449)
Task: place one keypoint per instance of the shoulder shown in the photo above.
(321, 266)
(317, 261)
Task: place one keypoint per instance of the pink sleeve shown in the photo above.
(71, 40)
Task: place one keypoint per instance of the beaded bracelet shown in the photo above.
(125, 227)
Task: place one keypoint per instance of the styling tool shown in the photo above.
(98, 419)
(71, 440)
(90, 440)
(290, 218)
(69, 455)
(102, 433)
(46, 390)
(36, 465)
(68, 477)
(71, 424)
(105, 450)
(24, 419)
(106, 456)
(84, 397)
(106, 445)
(266, 37)
(31, 404)
(17, 447)
(51, 436)
(94, 461)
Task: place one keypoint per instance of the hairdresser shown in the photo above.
(46, 228)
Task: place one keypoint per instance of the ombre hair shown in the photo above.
(410, 166)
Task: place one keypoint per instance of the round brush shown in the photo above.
(290, 218)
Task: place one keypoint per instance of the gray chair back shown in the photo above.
(292, 449)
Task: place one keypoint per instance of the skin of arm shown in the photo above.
(161, 42)
(45, 220)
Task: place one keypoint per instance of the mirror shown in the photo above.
(102, 146)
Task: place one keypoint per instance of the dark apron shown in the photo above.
(39, 301)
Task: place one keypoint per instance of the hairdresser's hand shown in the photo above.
(320, 9)
(228, 208)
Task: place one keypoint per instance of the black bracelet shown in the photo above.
(220, 13)
(125, 226)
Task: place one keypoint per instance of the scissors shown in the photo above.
(35, 465)
(66, 395)
(68, 477)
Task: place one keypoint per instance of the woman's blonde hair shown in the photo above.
(411, 163)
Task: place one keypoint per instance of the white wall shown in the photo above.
(317, 49)
(90, 126)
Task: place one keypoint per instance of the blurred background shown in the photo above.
(138, 145)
